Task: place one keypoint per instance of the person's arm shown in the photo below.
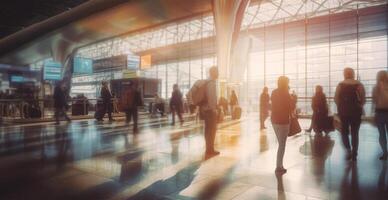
(362, 94)
(337, 92)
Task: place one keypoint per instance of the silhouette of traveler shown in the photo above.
(380, 102)
(60, 104)
(264, 107)
(106, 96)
(350, 99)
(319, 121)
(176, 104)
(209, 112)
(130, 100)
(282, 108)
(233, 101)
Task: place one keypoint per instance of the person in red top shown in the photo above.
(282, 108)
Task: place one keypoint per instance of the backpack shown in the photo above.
(350, 100)
(197, 94)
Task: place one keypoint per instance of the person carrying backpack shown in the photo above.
(380, 103)
(130, 100)
(350, 99)
(204, 94)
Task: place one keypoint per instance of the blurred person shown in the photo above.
(158, 105)
(282, 108)
(106, 96)
(380, 103)
(350, 99)
(130, 100)
(209, 112)
(60, 104)
(176, 104)
(223, 103)
(233, 101)
(264, 107)
(320, 110)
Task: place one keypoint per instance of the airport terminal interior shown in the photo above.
(210, 61)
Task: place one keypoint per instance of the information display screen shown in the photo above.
(52, 70)
(83, 66)
(133, 62)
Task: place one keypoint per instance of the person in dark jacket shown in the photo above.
(60, 104)
(131, 100)
(106, 96)
(176, 104)
(264, 107)
(320, 111)
(283, 106)
(350, 99)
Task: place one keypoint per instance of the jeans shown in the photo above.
(381, 119)
(350, 124)
(281, 131)
(129, 113)
(210, 118)
(107, 108)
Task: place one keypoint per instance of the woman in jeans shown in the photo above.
(380, 101)
(282, 107)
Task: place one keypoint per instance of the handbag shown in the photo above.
(294, 126)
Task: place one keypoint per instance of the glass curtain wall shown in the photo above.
(315, 51)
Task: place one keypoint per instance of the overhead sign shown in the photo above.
(145, 62)
(83, 66)
(133, 62)
(105, 64)
(52, 70)
(130, 74)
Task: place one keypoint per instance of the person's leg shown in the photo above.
(180, 115)
(135, 115)
(161, 108)
(207, 134)
(56, 115)
(212, 124)
(127, 116)
(355, 127)
(110, 111)
(173, 115)
(381, 126)
(281, 132)
(345, 123)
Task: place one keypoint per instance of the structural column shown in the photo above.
(228, 16)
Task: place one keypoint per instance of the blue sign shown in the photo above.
(17, 79)
(133, 62)
(83, 66)
(52, 70)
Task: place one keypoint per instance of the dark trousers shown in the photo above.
(210, 118)
(381, 119)
(132, 113)
(176, 109)
(350, 125)
(60, 112)
(107, 108)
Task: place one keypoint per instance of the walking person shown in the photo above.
(233, 101)
(176, 104)
(60, 104)
(350, 99)
(380, 103)
(320, 111)
(264, 107)
(209, 112)
(282, 107)
(106, 96)
(131, 99)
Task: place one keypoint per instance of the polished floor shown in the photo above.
(89, 160)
